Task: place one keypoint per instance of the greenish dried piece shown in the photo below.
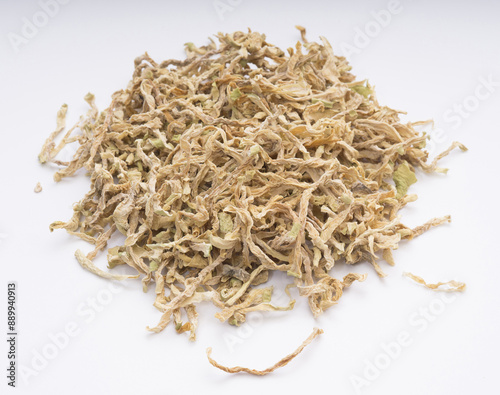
(294, 232)
(235, 94)
(403, 177)
(226, 222)
(326, 103)
(364, 90)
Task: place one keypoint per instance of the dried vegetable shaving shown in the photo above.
(239, 161)
(448, 286)
(284, 361)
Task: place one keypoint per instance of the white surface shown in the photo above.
(429, 57)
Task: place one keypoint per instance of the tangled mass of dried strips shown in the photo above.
(236, 162)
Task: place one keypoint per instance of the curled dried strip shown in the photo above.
(89, 265)
(448, 286)
(284, 361)
(433, 165)
(49, 145)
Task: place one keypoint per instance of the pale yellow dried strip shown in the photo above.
(417, 231)
(193, 320)
(46, 152)
(38, 188)
(277, 365)
(89, 265)
(433, 165)
(449, 286)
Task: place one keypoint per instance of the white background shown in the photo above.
(430, 57)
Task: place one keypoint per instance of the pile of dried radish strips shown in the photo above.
(236, 162)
